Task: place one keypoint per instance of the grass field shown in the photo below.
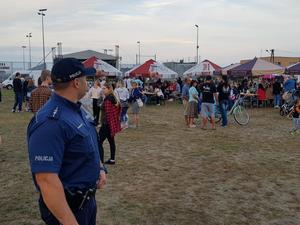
(168, 174)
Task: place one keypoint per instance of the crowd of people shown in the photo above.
(200, 97)
(27, 93)
(205, 97)
(66, 151)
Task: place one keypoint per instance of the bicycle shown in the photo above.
(238, 111)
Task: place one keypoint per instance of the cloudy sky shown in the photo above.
(229, 30)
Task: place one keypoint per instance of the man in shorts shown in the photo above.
(209, 96)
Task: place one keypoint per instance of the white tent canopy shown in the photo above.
(103, 67)
(107, 68)
(202, 69)
(163, 71)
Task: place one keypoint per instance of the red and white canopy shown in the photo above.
(103, 68)
(204, 68)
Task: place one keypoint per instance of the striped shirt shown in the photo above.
(39, 97)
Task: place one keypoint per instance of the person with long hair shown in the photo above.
(296, 118)
(95, 93)
(122, 94)
(110, 122)
(30, 88)
(223, 96)
(261, 94)
(135, 96)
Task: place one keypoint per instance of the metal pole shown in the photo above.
(23, 47)
(197, 48)
(140, 53)
(29, 46)
(43, 41)
(29, 50)
(41, 13)
(139, 43)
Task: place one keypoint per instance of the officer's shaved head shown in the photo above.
(61, 86)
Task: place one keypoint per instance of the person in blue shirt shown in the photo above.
(289, 84)
(64, 150)
(135, 97)
(185, 99)
(193, 104)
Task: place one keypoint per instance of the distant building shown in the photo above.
(179, 67)
(84, 55)
(279, 60)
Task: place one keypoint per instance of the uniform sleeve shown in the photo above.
(46, 147)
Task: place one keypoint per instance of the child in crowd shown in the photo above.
(296, 119)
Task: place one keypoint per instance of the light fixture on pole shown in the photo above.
(139, 45)
(41, 13)
(197, 60)
(29, 48)
(272, 57)
(23, 47)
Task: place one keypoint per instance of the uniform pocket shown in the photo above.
(82, 143)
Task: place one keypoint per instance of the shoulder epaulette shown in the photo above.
(54, 113)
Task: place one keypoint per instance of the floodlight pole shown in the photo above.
(41, 13)
(29, 46)
(23, 47)
(197, 48)
(139, 45)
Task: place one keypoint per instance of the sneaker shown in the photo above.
(13, 110)
(192, 126)
(110, 162)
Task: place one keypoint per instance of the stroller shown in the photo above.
(289, 101)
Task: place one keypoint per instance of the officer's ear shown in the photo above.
(76, 83)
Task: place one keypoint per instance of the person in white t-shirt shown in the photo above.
(159, 95)
(128, 83)
(122, 93)
(95, 93)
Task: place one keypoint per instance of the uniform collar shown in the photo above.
(66, 102)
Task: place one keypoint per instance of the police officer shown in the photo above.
(63, 150)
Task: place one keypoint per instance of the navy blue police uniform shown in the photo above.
(62, 139)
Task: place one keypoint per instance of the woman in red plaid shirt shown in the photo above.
(110, 122)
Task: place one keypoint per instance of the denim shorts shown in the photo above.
(207, 110)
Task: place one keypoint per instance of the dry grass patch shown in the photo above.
(168, 174)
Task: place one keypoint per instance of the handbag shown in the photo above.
(124, 104)
(140, 102)
(99, 101)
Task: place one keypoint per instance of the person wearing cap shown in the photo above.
(64, 150)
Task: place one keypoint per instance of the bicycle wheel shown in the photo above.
(281, 112)
(240, 115)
